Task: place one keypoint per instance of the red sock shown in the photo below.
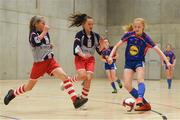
(19, 90)
(85, 93)
(73, 79)
(70, 90)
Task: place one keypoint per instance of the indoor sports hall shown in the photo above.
(99, 55)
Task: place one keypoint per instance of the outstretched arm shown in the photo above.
(110, 60)
(163, 57)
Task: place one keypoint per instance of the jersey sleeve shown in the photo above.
(77, 44)
(34, 40)
(125, 37)
(149, 42)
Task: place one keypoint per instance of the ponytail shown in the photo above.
(127, 28)
(78, 19)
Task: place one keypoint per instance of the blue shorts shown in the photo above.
(133, 65)
(110, 66)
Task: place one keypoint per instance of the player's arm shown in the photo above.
(115, 48)
(174, 63)
(174, 60)
(77, 47)
(103, 59)
(163, 57)
(45, 31)
(116, 56)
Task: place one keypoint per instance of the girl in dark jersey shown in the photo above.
(172, 59)
(138, 43)
(110, 68)
(85, 44)
(44, 62)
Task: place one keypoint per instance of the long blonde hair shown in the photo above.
(129, 27)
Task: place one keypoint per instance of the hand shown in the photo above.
(51, 46)
(86, 56)
(169, 65)
(46, 28)
(110, 60)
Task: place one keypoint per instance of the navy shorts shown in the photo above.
(110, 66)
(133, 65)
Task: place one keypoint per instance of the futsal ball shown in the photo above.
(129, 104)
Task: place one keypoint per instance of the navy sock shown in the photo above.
(141, 90)
(113, 85)
(169, 81)
(134, 93)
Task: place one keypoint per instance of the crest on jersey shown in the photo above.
(133, 50)
(168, 58)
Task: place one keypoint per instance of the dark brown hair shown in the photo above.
(78, 19)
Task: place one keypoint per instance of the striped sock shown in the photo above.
(85, 93)
(70, 90)
(19, 90)
(74, 79)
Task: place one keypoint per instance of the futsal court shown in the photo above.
(91, 40)
(47, 101)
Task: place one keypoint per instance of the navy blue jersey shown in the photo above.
(106, 52)
(41, 49)
(34, 41)
(170, 56)
(88, 44)
(137, 46)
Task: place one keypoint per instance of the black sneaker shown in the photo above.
(9, 97)
(119, 83)
(115, 91)
(79, 102)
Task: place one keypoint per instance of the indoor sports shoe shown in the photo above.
(120, 85)
(115, 91)
(80, 102)
(10, 95)
(62, 86)
(139, 101)
(83, 107)
(145, 107)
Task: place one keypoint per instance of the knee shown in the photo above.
(83, 76)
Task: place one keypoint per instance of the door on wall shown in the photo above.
(153, 65)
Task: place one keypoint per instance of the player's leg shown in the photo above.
(141, 103)
(171, 75)
(37, 71)
(80, 68)
(108, 73)
(128, 76)
(81, 72)
(20, 90)
(141, 85)
(115, 78)
(60, 74)
(168, 75)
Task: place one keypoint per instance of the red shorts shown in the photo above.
(40, 68)
(85, 64)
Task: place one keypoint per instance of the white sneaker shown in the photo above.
(62, 86)
(84, 107)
